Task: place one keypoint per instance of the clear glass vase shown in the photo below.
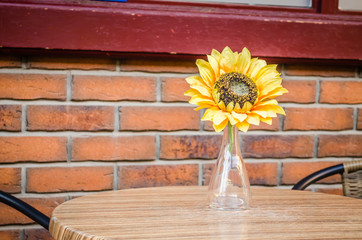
(229, 187)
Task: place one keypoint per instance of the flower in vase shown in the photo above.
(235, 88)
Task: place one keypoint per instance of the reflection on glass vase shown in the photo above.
(229, 187)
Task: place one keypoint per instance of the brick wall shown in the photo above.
(71, 126)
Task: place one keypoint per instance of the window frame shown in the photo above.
(157, 27)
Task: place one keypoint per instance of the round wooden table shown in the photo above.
(183, 213)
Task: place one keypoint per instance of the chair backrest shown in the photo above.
(352, 179)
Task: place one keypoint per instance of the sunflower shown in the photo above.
(236, 89)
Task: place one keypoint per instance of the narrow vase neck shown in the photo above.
(231, 138)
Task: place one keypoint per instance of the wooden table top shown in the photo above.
(183, 213)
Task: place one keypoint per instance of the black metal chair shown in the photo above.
(25, 208)
(351, 172)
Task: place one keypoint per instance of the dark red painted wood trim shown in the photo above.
(184, 30)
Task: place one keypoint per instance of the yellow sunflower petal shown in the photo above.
(216, 54)
(246, 107)
(271, 109)
(206, 72)
(221, 105)
(204, 106)
(214, 64)
(267, 72)
(267, 120)
(221, 126)
(209, 114)
(191, 93)
(243, 61)
(202, 90)
(243, 126)
(262, 114)
(197, 100)
(227, 59)
(255, 66)
(265, 88)
(195, 80)
(219, 117)
(239, 116)
(267, 102)
(253, 119)
(232, 120)
(237, 108)
(230, 107)
(275, 93)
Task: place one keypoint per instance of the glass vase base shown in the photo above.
(229, 203)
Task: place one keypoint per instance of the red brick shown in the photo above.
(10, 62)
(10, 117)
(10, 180)
(318, 119)
(158, 175)
(36, 234)
(64, 179)
(72, 63)
(72, 118)
(195, 146)
(159, 118)
(320, 70)
(33, 149)
(114, 88)
(341, 92)
(359, 120)
(173, 90)
(114, 148)
(293, 172)
(275, 146)
(300, 91)
(10, 235)
(159, 65)
(9, 215)
(258, 173)
(340, 146)
(33, 86)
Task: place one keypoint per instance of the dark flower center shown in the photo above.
(235, 87)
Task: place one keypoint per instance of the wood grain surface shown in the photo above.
(183, 213)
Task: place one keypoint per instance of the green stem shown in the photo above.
(230, 128)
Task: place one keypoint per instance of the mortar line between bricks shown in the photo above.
(96, 72)
(281, 123)
(176, 133)
(121, 163)
(115, 176)
(117, 123)
(69, 150)
(69, 87)
(160, 104)
(280, 173)
(152, 74)
(24, 110)
(315, 146)
(318, 91)
(24, 62)
(118, 65)
(158, 146)
(201, 173)
(158, 89)
(355, 118)
(22, 234)
(23, 179)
